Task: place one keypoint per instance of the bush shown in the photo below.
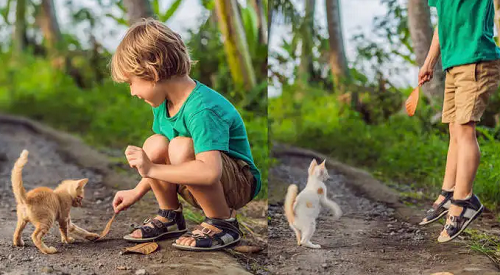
(407, 152)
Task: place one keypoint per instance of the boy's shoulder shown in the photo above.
(206, 98)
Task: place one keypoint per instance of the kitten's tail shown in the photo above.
(17, 178)
(291, 195)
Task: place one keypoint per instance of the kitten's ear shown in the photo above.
(322, 169)
(81, 183)
(312, 166)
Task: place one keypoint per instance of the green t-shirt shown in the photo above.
(212, 122)
(466, 31)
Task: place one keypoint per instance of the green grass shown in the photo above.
(406, 153)
(487, 244)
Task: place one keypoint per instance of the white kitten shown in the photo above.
(302, 211)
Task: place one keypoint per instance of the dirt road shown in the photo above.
(368, 239)
(50, 162)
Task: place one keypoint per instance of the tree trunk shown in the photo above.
(270, 13)
(137, 10)
(421, 31)
(50, 27)
(307, 42)
(338, 60)
(497, 19)
(261, 20)
(20, 39)
(235, 43)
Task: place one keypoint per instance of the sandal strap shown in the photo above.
(447, 194)
(174, 218)
(206, 237)
(158, 228)
(470, 207)
(224, 225)
(468, 203)
(169, 214)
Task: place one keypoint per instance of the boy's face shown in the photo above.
(146, 90)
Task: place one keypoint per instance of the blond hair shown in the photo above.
(152, 51)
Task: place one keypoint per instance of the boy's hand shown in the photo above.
(124, 199)
(138, 159)
(426, 73)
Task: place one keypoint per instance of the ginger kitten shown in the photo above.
(42, 206)
(302, 211)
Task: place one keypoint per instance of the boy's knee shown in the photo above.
(181, 149)
(465, 131)
(156, 148)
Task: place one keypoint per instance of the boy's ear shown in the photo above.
(81, 183)
(312, 166)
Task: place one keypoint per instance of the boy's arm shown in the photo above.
(206, 169)
(434, 50)
(426, 72)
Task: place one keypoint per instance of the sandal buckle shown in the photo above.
(206, 231)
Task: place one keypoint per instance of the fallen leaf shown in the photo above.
(412, 101)
(107, 228)
(143, 248)
(247, 249)
(121, 267)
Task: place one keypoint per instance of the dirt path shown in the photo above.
(50, 162)
(368, 239)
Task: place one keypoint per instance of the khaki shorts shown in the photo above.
(237, 181)
(467, 90)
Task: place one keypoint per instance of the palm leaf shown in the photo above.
(171, 10)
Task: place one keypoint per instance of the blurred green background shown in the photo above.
(58, 73)
(351, 107)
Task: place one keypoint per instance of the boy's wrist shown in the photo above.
(152, 171)
(429, 63)
(140, 191)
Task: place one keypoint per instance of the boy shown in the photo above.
(200, 148)
(464, 38)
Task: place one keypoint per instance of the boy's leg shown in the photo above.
(468, 162)
(217, 200)
(156, 148)
(475, 83)
(211, 199)
(451, 163)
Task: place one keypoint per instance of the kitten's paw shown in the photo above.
(51, 250)
(311, 245)
(18, 243)
(92, 237)
(68, 240)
